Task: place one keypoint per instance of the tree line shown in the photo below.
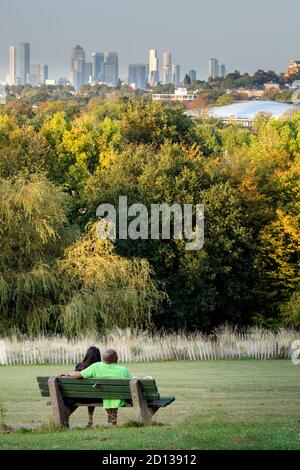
(60, 160)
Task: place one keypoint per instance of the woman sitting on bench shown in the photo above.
(91, 357)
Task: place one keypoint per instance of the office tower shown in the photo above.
(23, 63)
(111, 68)
(176, 75)
(167, 67)
(44, 73)
(98, 66)
(138, 76)
(34, 77)
(222, 71)
(213, 68)
(193, 75)
(153, 67)
(38, 74)
(77, 67)
(11, 77)
(88, 72)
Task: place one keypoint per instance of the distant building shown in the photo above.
(11, 77)
(222, 71)
(167, 67)
(38, 74)
(23, 62)
(31, 79)
(138, 76)
(63, 81)
(176, 75)
(213, 68)
(293, 68)
(153, 67)
(246, 112)
(180, 95)
(98, 66)
(193, 75)
(295, 85)
(50, 82)
(88, 72)
(44, 73)
(111, 68)
(77, 67)
(272, 86)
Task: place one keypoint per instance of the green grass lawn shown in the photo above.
(219, 405)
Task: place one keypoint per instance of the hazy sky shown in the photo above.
(244, 35)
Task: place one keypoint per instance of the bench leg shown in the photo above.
(143, 412)
(153, 410)
(60, 411)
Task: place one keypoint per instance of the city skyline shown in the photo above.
(104, 68)
(240, 39)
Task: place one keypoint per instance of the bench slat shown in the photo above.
(162, 402)
(144, 382)
(92, 395)
(104, 388)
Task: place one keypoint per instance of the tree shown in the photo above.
(103, 290)
(187, 80)
(33, 232)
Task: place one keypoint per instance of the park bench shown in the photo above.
(67, 394)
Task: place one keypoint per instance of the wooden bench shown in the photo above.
(142, 394)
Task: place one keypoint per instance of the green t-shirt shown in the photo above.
(109, 371)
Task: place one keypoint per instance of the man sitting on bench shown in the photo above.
(108, 369)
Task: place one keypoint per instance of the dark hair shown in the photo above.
(92, 355)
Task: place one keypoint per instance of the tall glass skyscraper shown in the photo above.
(193, 75)
(12, 70)
(22, 62)
(222, 71)
(167, 67)
(78, 76)
(153, 67)
(213, 68)
(111, 68)
(98, 66)
(138, 75)
(176, 75)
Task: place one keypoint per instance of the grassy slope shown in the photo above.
(219, 405)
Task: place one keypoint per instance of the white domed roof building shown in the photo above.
(245, 112)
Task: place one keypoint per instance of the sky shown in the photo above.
(244, 35)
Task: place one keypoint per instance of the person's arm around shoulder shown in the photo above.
(73, 375)
(90, 372)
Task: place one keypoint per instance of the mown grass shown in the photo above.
(219, 405)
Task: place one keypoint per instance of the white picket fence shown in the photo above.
(133, 346)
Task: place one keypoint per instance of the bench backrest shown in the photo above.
(96, 390)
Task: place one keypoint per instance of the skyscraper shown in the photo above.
(38, 73)
(77, 67)
(213, 68)
(88, 72)
(153, 67)
(138, 75)
(176, 75)
(23, 63)
(111, 68)
(11, 77)
(222, 71)
(193, 75)
(44, 73)
(98, 66)
(167, 67)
